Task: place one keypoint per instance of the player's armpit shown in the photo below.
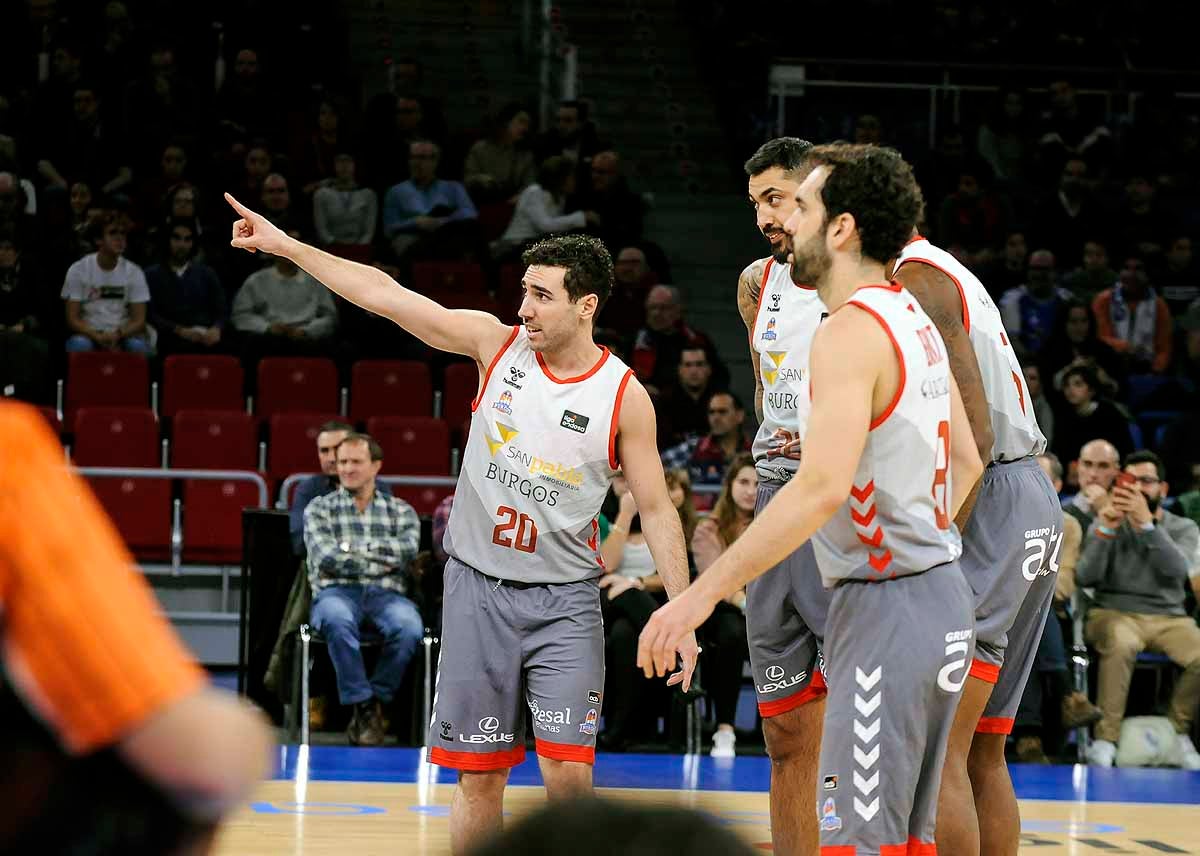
(940, 298)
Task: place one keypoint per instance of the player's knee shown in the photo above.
(566, 779)
(482, 785)
(794, 736)
(987, 754)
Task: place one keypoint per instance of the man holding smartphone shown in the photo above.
(1140, 558)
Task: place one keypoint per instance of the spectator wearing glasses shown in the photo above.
(1140, 557)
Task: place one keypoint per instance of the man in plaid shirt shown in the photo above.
(360, 542)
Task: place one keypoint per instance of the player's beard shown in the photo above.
(811, 261)
(780, 255)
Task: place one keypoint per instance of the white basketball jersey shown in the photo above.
(896, 521)
(538, 464)
(787, 318)
(1014, 424)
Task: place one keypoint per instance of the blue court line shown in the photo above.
(749, 774)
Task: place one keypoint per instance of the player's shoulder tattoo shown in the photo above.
(750, 285)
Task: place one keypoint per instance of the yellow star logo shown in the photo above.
(777, 357)
(506, 434)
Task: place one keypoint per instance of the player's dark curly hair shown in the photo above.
(589, 266)
(787, 153)
(877, 188)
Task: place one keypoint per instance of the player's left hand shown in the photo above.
(669, 630)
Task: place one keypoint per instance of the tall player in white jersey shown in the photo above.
(1010, 548)
(786, 606)
(556, 416)
(888, 460)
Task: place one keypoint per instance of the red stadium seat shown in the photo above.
(212, 519)
(459, 388)
(390, 388)
(424, 500)
(444, 279)
(105, 379)
(412, 446)
(201, 382)
(296, 385)
(292, 447)
(116, 437)
(214, 440)
(141, 511)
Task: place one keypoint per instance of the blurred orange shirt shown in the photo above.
(82, 637)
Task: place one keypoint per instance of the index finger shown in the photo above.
(237, 206)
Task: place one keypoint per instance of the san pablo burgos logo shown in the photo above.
(514, 375)
(490, 728)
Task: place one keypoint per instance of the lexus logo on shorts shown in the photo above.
(774, 673)
(489, 724)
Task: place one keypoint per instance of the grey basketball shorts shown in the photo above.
(511, 651)
(1010, 560)
(898, 653)
(785, 623)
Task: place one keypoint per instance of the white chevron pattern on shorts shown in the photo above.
(867, 723)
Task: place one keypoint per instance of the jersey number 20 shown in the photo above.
(525, 539)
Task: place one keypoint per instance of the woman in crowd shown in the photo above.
(1075, 344)
(1087, 416)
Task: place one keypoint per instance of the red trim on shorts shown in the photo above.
(616, 420)
(875, 423)
(578, 378)
(565, 751)
(962, 294)
(912, 847)
(839, 850)
(477, 761)
(984, 671)
(488, 374)
(994, 725)
(815, 690)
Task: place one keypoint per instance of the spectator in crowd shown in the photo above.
(1032, 311)
(106, 294)
(500, 166)
(707, 457)
(573, 136)
(172, 171)
(1050, 675)
(394, 123)
(53, 100)
(314, 163)
(89, 151)
(245, 107)
(428, 217)
(682, 407)
(257, 163)
(724, 632)
(1006, 139)
(657, 346)
(625, 309)
(24, 354)
(329, 436)
(1087, 415)
(619, 211)
(344, 213)
(360, 542)
(1179, 280)
(1042, 409)
(1093, 276)
(973, 219)
(160, 105)
(1069, 132)
(187, 300)
(1096, 468)
(1007, 270)
(276, 202)
(408, 81)
(82, 214)
(540, 206)
(1179, 446)
(1071, 216)
(1139, 558)
(281, 310)
(1141, 225)
(868, 130)
(1134, 321)
(1074, 343)
(13, 218)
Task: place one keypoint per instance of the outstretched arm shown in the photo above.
(460, 331)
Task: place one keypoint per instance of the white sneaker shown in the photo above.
(1189, 758)
(1102, 753)
(723, 743)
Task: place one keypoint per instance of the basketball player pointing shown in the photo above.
(888, 460)
(554, 419)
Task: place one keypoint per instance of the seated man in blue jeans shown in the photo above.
(360, 542)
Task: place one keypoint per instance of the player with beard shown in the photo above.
(1010, 549)
(785, 607)
(888, 461)
(555, 419)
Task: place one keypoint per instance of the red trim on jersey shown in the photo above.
(565, 751)
(816, 689)
(994, 725)
(488, 374)
(477, 761)
(914, 239)
(762, 289)
(594, 543)
(875, 423)
(1020, 390)
(984, 671)
(891, 286)
(546, 369)
(962, 294)
(616, 421)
